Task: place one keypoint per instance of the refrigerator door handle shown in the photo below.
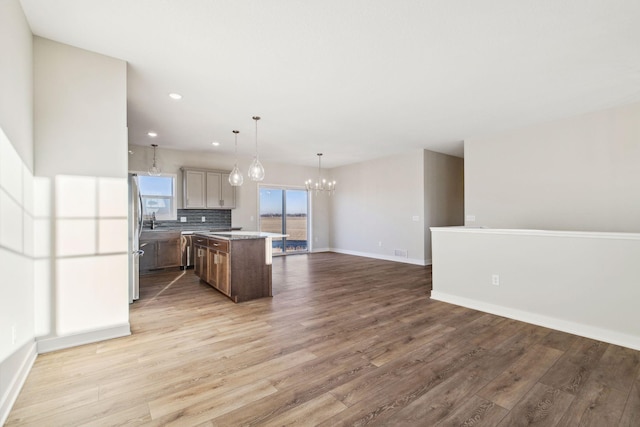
(140, 214)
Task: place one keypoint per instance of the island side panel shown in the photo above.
(250, 274)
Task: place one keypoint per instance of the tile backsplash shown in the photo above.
(214, 218)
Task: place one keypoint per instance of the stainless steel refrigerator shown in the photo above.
(135, 229)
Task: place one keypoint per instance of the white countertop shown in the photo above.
(233, 235)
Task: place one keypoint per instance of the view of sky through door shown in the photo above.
(285, 211)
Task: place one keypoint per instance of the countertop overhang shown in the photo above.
(240, 235)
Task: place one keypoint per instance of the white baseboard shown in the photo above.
(27, 356)
(587, 331)
(413, 261)
(47, 344)
(314, 250)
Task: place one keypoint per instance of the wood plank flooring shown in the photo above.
(344, 341)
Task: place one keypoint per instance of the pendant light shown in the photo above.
(154, 170)
(235, 177)
(256, 170)
(321, 184)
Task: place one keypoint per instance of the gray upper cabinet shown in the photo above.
(194, 189)
(207, 189)
(227, 192)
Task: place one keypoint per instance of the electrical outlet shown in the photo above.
(183, 219)
(204, 219)
(470, 218)
(14, 333)
(415, 218)
(495, 280)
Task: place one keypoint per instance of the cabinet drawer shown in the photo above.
(202, 241)
(219, 245)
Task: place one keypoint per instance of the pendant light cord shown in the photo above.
(154, 154)
(256, 118)
(236, 132)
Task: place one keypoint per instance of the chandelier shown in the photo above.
(321, 184)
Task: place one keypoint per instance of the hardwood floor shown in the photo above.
(344, 341)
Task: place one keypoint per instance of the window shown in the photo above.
(159, 196)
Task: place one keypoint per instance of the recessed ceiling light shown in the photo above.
(174, 95)
(152, 134)
(215, 143)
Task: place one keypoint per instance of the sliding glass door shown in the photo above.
(285, 211)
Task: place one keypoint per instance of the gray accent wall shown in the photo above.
(384, 207)
(443, 193)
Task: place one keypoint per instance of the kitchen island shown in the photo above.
(236, 263)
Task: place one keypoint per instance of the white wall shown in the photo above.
(16, 203)
(80, 112)
(246, 213)
(584, 283)
(16, 79)
(580, 173)
(80, 135)
(373, 208)
(444, 194)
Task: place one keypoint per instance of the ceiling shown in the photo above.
(354, 79)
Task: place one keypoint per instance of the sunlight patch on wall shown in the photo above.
(91, 252)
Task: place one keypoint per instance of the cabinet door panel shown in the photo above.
(194, 194)
(200, 262)
(168, 253)
(148, 259)
(228, 195)
(224, 282)
(214, 198)
(212, 268)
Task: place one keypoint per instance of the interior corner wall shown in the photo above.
(17, 344)
(378, 208)
(575, 174)
(80, 135)
(443, 194)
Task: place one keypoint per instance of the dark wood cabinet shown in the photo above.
(236, 268)
(219, 270)
(201, 258)
(168, 253)
(148, 259)
(161, 250)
